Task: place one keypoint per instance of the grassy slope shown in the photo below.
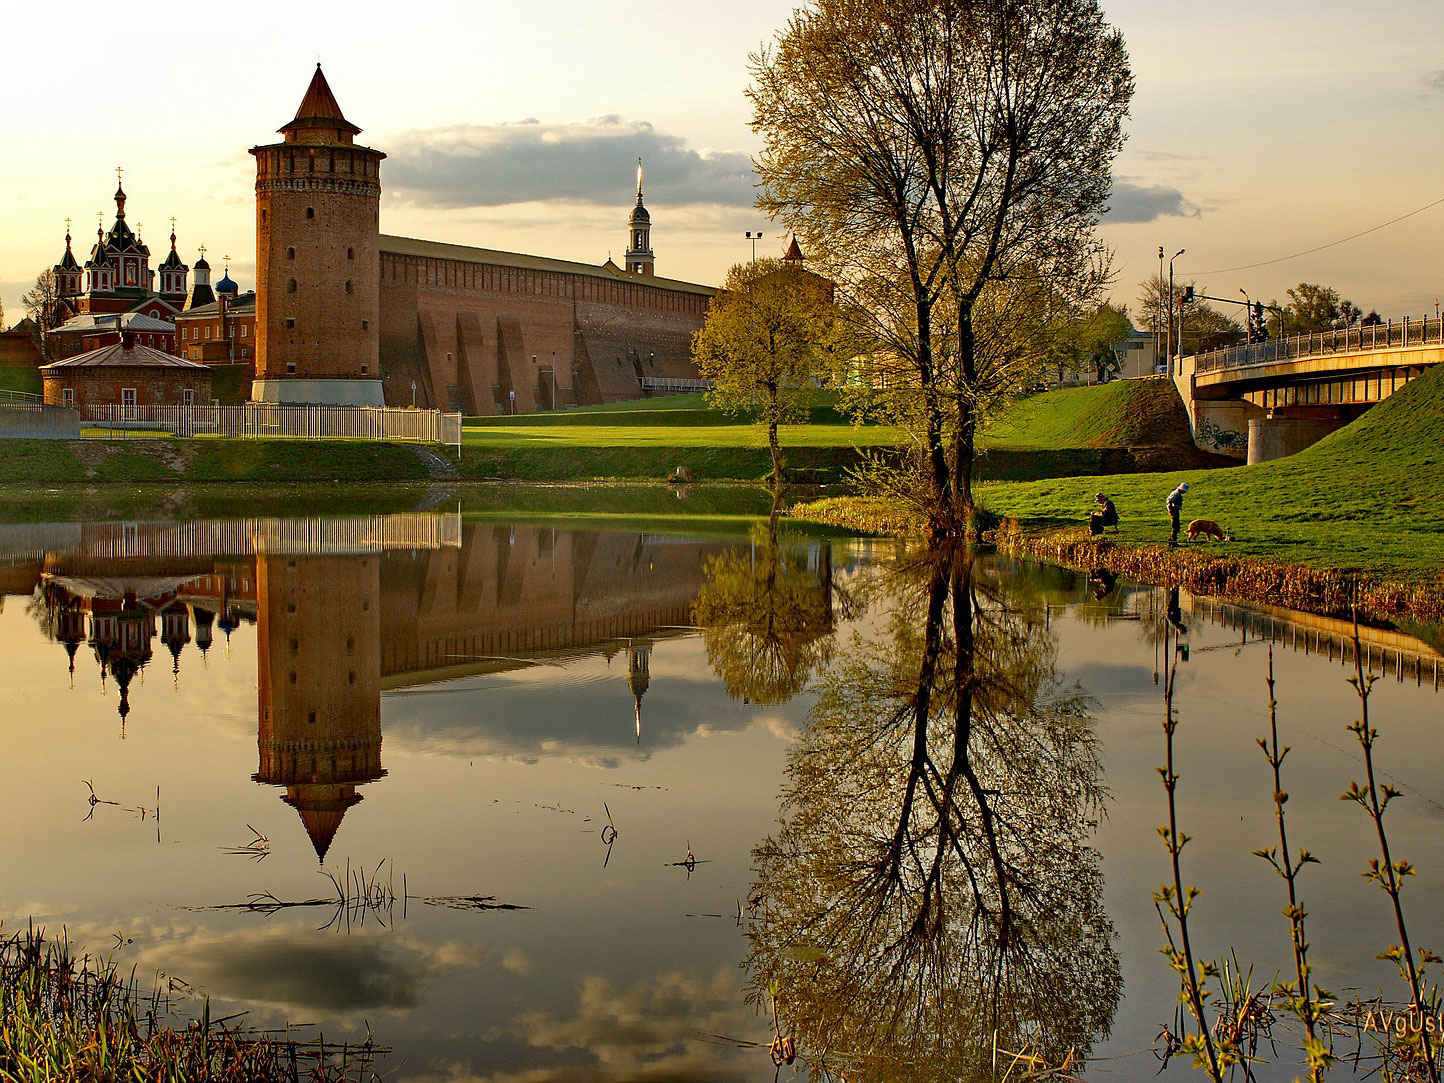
(20, 378)
(1368, 496)
(1125, 413)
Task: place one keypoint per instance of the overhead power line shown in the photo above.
(1320, 248)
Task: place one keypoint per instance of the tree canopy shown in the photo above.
(1311, 308)
(770, 337)
(947, 162)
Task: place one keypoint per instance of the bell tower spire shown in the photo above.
(640, 258)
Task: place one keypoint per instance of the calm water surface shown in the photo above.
(467, 708)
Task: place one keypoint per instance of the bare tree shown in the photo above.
(43, 305)
(933, 152)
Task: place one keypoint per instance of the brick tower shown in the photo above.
(318, 267)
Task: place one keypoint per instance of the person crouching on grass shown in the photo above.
(1103, 516)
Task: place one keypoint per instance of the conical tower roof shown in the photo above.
(319, 109)
(321, 807)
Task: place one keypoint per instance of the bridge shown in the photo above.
(1270, 399)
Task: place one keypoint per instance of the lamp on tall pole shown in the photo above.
(1247, 314)
(754, 238)
(1180, 252)
(1158, 321)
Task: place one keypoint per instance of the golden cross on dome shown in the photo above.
(118, 171)
(203, 250)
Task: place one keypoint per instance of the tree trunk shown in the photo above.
(965, 448)
(940, 515)
(773, 410)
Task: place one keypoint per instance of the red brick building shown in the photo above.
(126, 374)
(222, 332)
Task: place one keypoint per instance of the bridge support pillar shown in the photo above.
(1275, 437)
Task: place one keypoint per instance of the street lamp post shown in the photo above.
(1180, 252)
(754, 238)
(1158, 333)
(1247, 315)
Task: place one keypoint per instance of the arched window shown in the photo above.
(310, 212)
(350, 253)
(290, 253)
(290, 285)
(348, 285)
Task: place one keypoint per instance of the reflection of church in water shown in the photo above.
(333, 630)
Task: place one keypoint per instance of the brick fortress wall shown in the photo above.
(464, 325)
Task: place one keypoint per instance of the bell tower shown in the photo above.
(639, 234)
(318, 266)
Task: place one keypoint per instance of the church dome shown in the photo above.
(225, 285)
(639, 213)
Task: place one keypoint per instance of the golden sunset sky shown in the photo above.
(1258, 130)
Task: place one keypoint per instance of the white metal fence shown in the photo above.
(262, 419)
(663, 383)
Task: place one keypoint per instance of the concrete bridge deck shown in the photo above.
(1270, 399)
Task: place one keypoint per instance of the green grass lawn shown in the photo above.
(1368, 496)
(524, 436)
(651, 438)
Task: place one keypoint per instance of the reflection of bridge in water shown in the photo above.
(1383, 651)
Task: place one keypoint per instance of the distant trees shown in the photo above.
(1311, 308)
(946, 164)
(1204, 327)
(770, 337)
(1087, 344)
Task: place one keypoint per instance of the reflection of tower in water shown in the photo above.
(124, 637)
(319, 668)
(639, 677)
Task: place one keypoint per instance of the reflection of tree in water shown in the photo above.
(767, 617)
(932, 882)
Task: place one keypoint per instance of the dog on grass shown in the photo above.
(1206, 528)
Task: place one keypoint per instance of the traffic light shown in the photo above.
(1187, 295)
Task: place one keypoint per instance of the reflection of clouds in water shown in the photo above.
(587, 722)
(294, 968)
(654, 1032)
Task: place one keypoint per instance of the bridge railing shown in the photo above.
(1424, 331)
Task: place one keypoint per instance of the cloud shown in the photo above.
(1145, 203)
(492, 165)
(1434, 82)
(293, 969)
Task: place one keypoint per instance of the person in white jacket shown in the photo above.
(1174, 504)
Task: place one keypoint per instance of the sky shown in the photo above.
(1257, 131)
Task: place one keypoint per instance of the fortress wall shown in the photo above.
(466, 333)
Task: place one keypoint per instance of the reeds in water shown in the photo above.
(69, 1018)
